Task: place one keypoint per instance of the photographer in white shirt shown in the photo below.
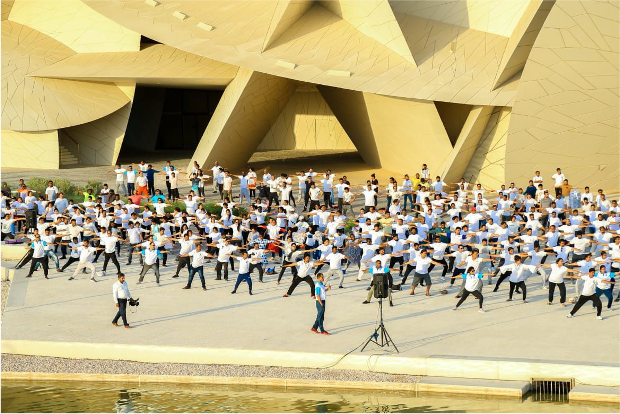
(121, 295)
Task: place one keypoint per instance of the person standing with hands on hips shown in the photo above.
(319, 294)
(121, 295)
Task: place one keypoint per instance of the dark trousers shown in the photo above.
(297, 280)
(44, 262)
(134, 248)
(69, 262)
(583, 299)
(520, 285)
(218, 270)
(501, 279)
(183, 261)
(456, 273)
(283, 269)
(258, 266)
(107, 258)
(192, 272)
(445, 267)
(400, 260)
(151, 185)
(122, 312)
(327, 197)
(273, 200)
(130, 188)
(475, 294)
(169, 187)
(243, 277)
(562, 288)
(408, 270)
(608, 294)
(320, 316)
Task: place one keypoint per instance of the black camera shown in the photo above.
(134, 302)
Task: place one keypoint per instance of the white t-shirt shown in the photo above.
(120, 174)
(369, 197)
(557, 273)
(559, 179)
(198, 257)
(421, 264)
(335, 260)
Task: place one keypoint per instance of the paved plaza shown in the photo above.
(81, 311)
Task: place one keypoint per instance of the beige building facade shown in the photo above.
(488, 90)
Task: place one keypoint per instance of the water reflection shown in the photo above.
(36, 396)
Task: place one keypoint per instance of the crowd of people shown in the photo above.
(548, 232)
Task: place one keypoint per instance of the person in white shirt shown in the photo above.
(303, 274)
(224, 250)
(120, 294)
(421, 271)
(131, 180)
(39, 255)
(197, 258)
(187, 245)
(472, 280)
(216, 171)
(558, 178)
(590, 282)
(369, 197)
(556, 278)
(86, 256)
(517, 276)
(151, 256)
(51, 191)
(244, 271)
(335, 265)
(603, 288)
(120, 180)
(109, 243)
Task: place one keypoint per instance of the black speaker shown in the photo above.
(31, 219)
(380, 283)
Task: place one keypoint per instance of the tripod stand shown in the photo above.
(381, 337)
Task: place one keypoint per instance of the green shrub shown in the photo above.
(96, 185)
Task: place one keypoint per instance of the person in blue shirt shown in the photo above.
(150, 177)
(319, 296)
(158, 197)
(531, 189)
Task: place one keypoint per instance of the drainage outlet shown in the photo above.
(551, 389)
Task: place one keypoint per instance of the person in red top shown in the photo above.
(136, 198)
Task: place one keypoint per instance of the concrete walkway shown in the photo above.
(81, 311)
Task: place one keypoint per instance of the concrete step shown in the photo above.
(67, 157)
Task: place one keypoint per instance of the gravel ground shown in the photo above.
(25, 363)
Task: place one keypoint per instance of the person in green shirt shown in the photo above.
(442, 231)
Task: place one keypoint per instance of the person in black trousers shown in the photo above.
(120, 293)
(302, 274)
(38, 256)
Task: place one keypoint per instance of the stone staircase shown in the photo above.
(67, 157)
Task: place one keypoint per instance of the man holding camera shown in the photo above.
(121, 295)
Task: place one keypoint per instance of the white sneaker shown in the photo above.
(569, 316)
(600, 318)
(454, 308)
(103, 273)
(481, 310)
